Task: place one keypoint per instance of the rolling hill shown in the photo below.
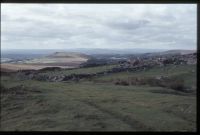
(57, 59)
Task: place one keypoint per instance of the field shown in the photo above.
(15, 67)
(88, 70)
(58, 59)
(99, 104)
(187, 73)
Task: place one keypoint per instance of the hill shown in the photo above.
(68, 55)
(182, 52)
(174, 52)
(97, 104)
(57, 59)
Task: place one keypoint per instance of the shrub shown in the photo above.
(124, 82)
(121, 82)
(172, 83)
(152, 82)
(177, 84)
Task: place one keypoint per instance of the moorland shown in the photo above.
(67, 91)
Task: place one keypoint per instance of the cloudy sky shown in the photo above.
(66, 26)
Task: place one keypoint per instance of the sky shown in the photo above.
(118, 26)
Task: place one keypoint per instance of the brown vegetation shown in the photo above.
(173, 83)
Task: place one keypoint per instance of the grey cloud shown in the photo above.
(71, 26)
(128, 24)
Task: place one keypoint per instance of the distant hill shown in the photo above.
(96, 51)
(168, 53)
(61, 58)
(57, 59)
(68, 55)
(36, 53)
(182, 52)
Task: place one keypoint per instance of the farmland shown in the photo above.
(59, 59)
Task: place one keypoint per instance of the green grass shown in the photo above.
(79, 71)
(187, 72)
(91, 106)
(65, 107)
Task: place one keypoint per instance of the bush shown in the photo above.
(177, 84)
(122, 82)
(153, 82)
(172, 83)
(50, 69)
(136, 81)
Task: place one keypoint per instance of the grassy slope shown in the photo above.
(187, 72)
(79, 71)
(96, 106)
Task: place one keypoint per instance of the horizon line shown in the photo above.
(92, 48)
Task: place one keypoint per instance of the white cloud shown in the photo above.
(62, 26)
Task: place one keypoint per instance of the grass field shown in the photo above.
(97, 106)
(15, 67)
(79, 70)
(186, 72)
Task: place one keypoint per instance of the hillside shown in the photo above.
(182, 52)
(57, 59)
(139, 94)
(98, 104)
(169, 53)
(68, 55)
(61, 57)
